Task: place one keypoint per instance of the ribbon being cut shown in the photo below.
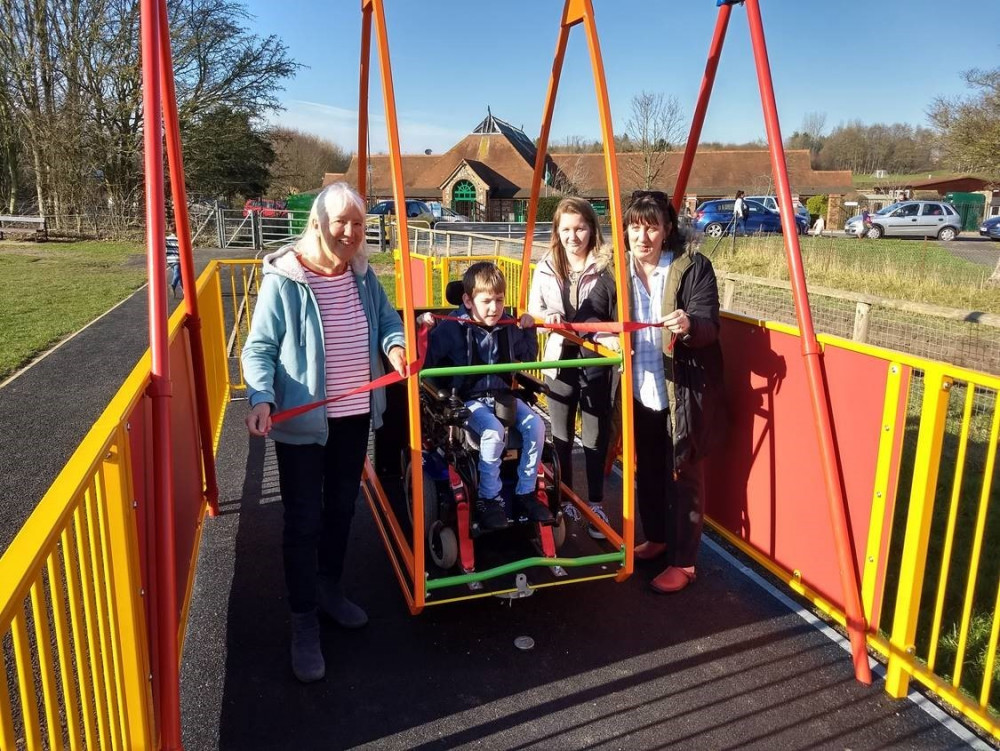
(417, 363)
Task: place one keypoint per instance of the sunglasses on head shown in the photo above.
(656, 195)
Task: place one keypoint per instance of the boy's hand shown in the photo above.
(426, 320)
(397, 358)
(610, 341)
(554, 318)
(259, 420)
(526, 321)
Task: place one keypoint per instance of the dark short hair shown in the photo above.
(654, 207)
(483, 276)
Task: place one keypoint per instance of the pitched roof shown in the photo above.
(713, 172)
(504, 158)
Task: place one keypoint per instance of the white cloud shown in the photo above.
(340, 125)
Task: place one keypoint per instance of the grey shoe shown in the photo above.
(307, 657)
(593, 531)
(332, 603)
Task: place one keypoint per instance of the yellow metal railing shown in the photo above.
(72, 602)
(73, 572)
(933, 555)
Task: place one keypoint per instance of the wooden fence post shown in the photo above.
(862, 315)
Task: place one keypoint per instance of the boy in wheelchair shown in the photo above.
(483, 334)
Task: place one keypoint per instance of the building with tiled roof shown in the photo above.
(487, 175)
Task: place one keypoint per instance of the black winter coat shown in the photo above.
(693, 367)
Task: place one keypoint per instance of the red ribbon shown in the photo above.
(585, 327)
(386, 380)
(603, 327)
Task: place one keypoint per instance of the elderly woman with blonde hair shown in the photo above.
(320, 329)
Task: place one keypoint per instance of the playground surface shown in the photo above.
(723, 664)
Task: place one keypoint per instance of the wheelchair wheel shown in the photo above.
(442, 545)
(559, 533)
(431, 507)
(554, 484)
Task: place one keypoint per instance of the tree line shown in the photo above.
(71, 108)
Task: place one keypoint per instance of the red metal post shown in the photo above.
(365, 67)
(704, 94)
(182, 222)
(164, 572)
(812, 355)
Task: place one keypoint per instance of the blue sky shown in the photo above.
(451, 59)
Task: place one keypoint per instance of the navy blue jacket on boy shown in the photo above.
(454, 343)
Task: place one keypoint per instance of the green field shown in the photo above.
(913, 270)
(49, 290)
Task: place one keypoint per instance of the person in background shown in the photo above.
(320, 328)
(819, 226)
(740, 213)
(174, 264)
(677, 379)
(559, 290)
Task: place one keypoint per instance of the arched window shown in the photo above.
(463, 199)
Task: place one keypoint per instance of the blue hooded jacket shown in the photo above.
(284, 360)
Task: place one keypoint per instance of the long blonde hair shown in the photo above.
(580, 207)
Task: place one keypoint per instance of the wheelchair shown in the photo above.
(450, 458)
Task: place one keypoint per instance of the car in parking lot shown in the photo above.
(771, 202)
(444, 214)
(990, 228)
(414, 210)
(265, 207)
(715, 218)
(418, 210)
(911, 219)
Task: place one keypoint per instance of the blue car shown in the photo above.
(991, 228)
(715, 218)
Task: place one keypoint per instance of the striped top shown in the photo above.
(345, 340)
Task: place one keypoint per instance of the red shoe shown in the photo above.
(649, 551)
(673, 579)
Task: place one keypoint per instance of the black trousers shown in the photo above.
(319, 487)
(671, 505)
(589, 390)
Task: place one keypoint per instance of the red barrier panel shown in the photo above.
(767, 486)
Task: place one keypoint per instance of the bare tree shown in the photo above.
(301, 160)
(970, 129)
(654, 127)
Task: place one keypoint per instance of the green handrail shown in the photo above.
(509, 367)
(515, 566)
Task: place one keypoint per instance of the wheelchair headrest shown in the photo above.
(454, 291)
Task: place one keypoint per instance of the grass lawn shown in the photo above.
(912, 270)
(49, 290)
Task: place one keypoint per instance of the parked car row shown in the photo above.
(715, 218)
(991, 228)
(910, 219)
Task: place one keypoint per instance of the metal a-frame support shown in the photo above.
(811, 353)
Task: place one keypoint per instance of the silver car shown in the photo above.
(911, 219)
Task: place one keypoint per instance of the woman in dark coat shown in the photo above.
(677, 381)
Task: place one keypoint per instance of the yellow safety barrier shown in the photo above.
(72, 598)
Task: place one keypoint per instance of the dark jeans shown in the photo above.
(671, 507)
(588, 389)
(319, 487)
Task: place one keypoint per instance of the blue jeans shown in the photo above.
(492, 440)
(175, 275)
